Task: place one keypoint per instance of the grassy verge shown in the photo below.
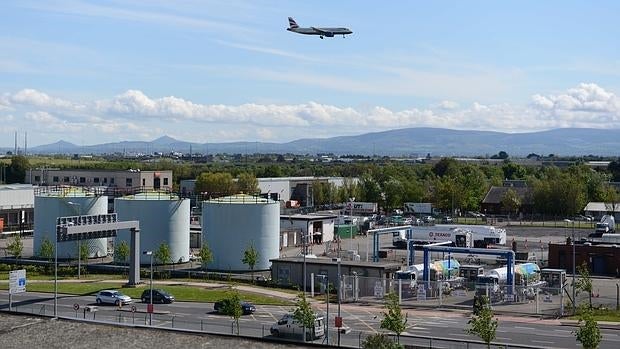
(181, 293)
(603, 315)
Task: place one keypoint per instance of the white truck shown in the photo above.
(483, 235)
(419, 208)
(365, 208)
(288, 326)
(428, 235)
(607, 225)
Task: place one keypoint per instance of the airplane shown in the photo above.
(322, 32)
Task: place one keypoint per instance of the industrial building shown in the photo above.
(318, 229)
(289, 271)
(598, 209)
(16, 208)
(602, 260)
(163, 217)
(123, 181)
(299, 189)
(67, 202)
(231, 224)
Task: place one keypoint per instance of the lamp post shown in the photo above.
(338, 260)
(326, 281)
(56, 276)
(351, 201)
(574, 260)
(79, 210)
(150, 310)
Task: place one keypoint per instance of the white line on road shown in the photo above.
(543, 342)
(525, 328)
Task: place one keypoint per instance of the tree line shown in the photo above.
(448, 184)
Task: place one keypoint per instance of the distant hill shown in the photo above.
(399, 142)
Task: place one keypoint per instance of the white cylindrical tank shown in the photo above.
(68, 202)
(231, 224)
(163, 218)
(499, 273)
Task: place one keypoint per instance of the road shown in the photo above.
(362, 321)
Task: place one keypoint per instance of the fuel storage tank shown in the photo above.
(64, 202)
(231, 224)
(163, 217)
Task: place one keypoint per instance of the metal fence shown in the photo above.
(535, 299)
(225, 326)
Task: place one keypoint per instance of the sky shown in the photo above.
(92, 72)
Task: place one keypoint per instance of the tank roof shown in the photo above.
(72, 192)
(151, 195)
(241, 199)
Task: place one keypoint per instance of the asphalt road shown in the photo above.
(362, 321)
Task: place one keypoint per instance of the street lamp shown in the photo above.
(338, 260)
(56, 275)
(573, 242)
(351, 201)
(79, 209)
(150, 310)
(326, 281)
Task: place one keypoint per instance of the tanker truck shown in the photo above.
(526, 278)
(446, 271)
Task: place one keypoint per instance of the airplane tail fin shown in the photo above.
(292, 23)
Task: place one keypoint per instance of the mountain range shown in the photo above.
(398, 142)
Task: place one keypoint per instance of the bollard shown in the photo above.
(145, 323)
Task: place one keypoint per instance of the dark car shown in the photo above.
(247, 308)
(159, 296)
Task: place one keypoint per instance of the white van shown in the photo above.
(288, 326)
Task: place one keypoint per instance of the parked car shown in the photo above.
(112, 297)
(428, 219)
(447, 220)
(247, 307)
(159, 296)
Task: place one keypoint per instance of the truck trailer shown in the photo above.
(428, 235)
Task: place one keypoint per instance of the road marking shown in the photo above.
(563, 331)
(543, 342)
(525, 328)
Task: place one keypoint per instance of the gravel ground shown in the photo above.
(33, 332)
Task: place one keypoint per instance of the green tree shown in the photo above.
(121, 252)
(231, 306)
(483, 325)
(206, 255)
(162, 255)
(513, 171)
(216, 184)
(247, 183)
(584, 282)
(394, 320)
(380, 341)
(16, 172)
(511, 201)
(16, 246)
(304, 313)
(588, 333)
(46, 251)
(250, 257)
(83, 251)
(393, 190)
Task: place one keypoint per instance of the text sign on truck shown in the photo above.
(17, 281)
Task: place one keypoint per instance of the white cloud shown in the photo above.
(134, 114)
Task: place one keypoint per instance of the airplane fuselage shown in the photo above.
(328, 32)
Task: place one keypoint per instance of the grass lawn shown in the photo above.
(603, 315)
(181, 293)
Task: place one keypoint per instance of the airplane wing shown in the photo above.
(322, 32)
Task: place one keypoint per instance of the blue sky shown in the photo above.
(213, 71)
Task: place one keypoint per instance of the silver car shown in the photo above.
(112, 297)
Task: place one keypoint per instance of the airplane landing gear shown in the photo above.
(321, 36)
